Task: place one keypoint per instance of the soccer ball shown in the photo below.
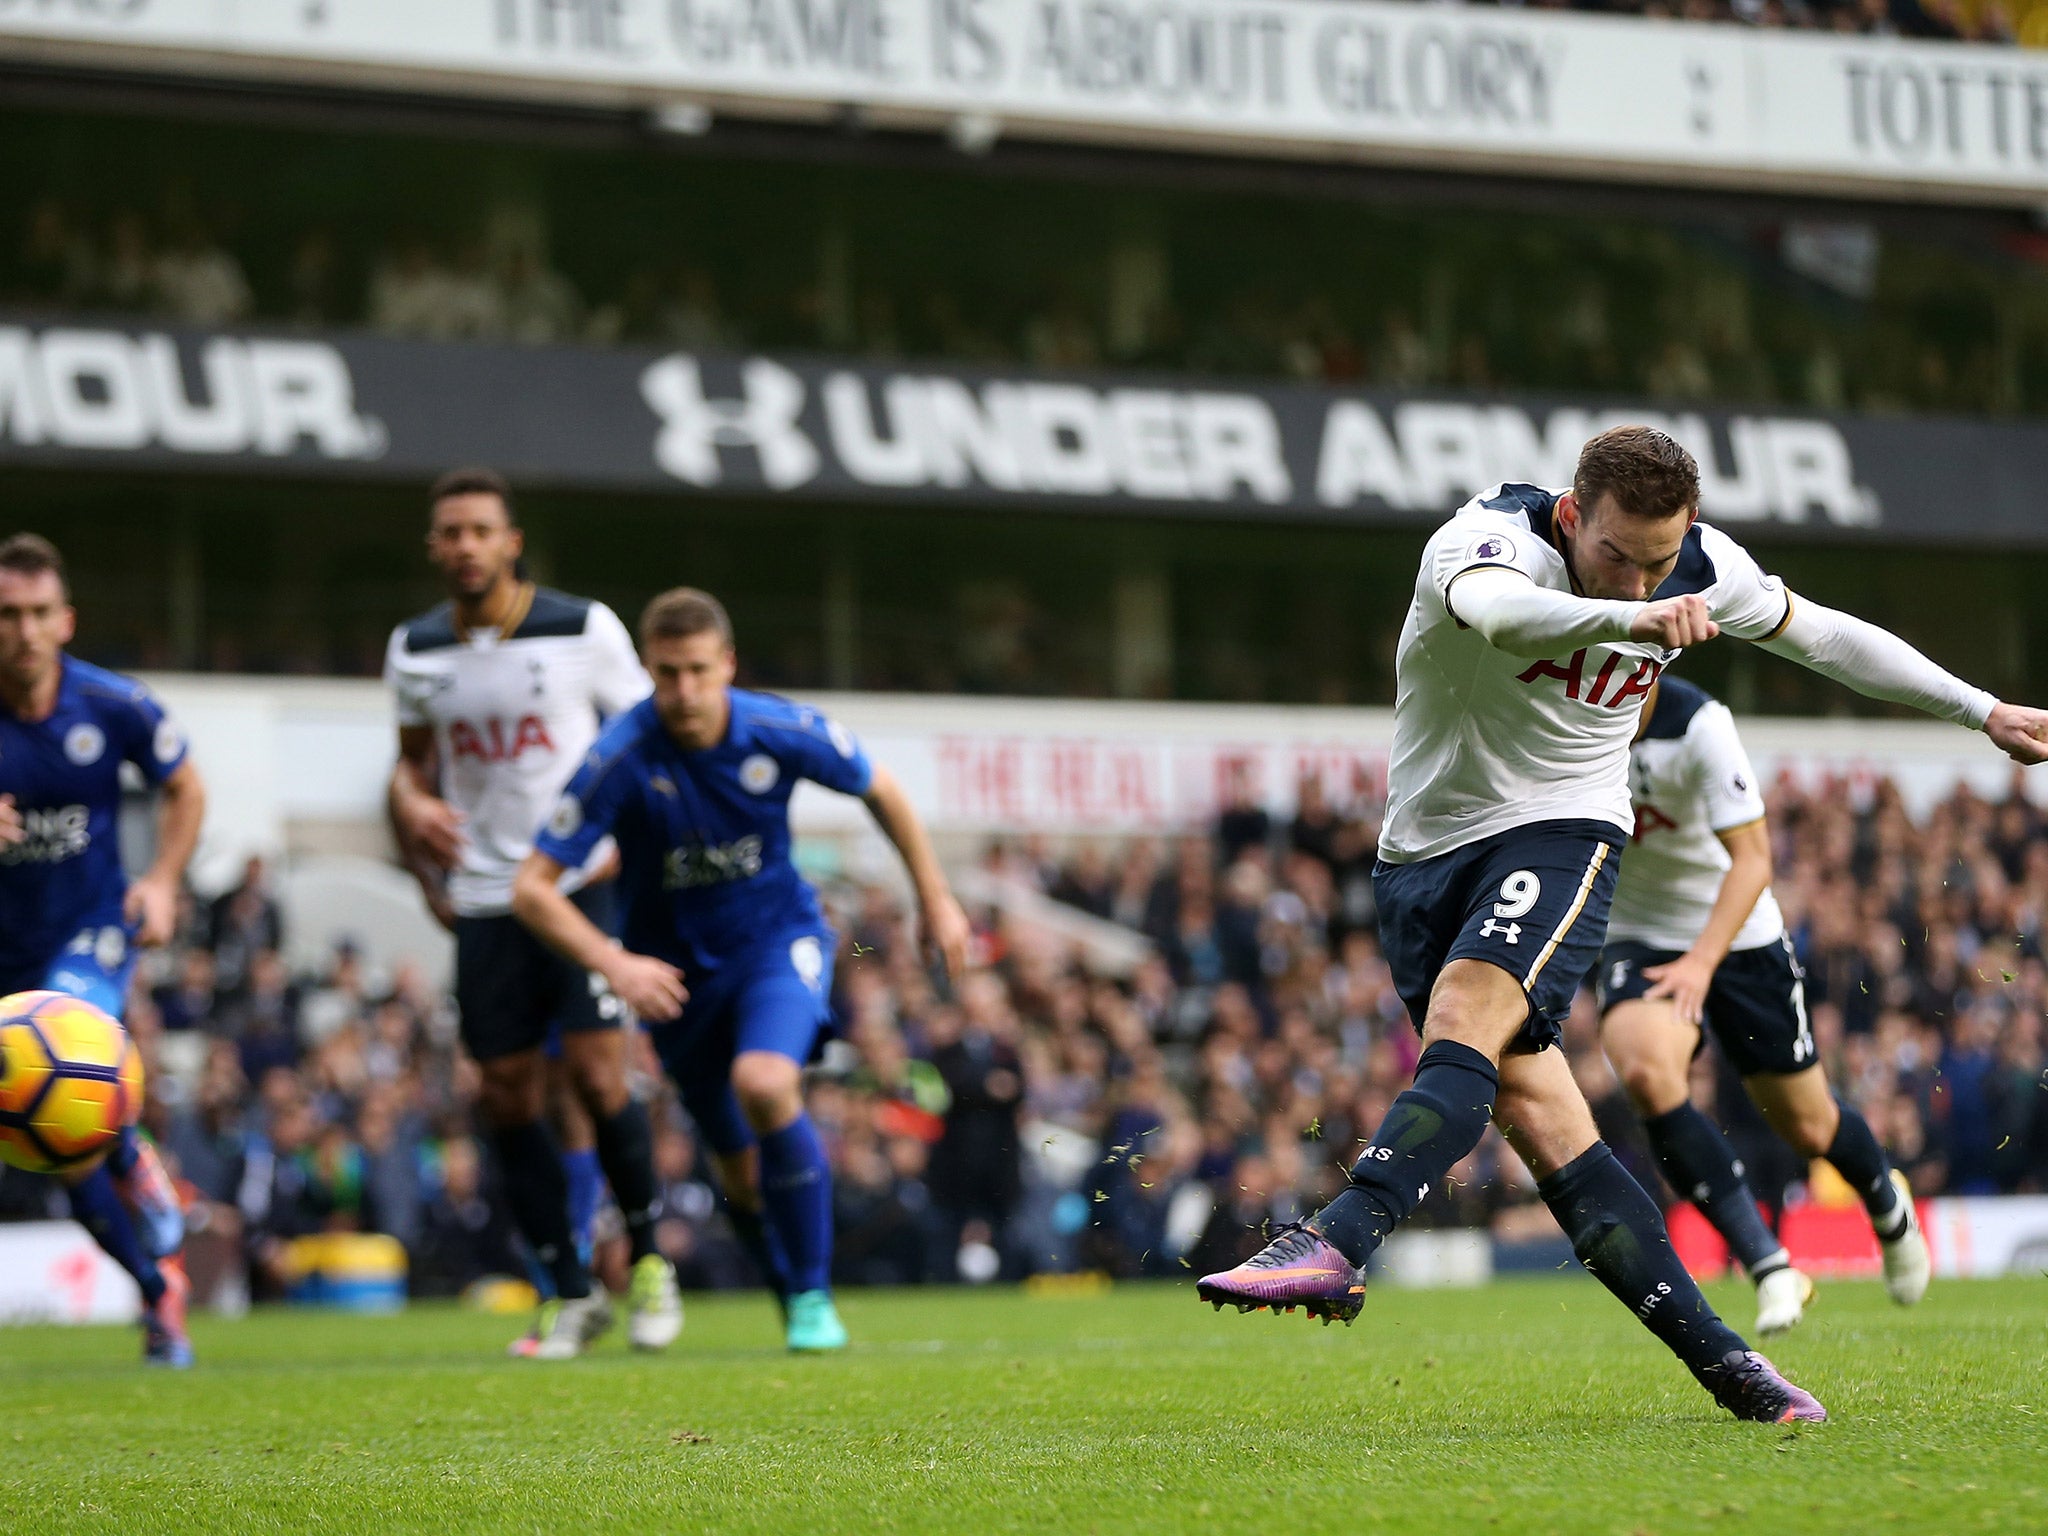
(70, 1079)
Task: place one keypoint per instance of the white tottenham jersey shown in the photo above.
(1485, 741)
(1691, 781)
(512, 714)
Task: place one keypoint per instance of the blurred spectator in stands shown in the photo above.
(313, 281)
(188, 1001)
(280, 1191)
(976, 1175)
(58, 267)
(473, 302)
(465, 1233)
(127, 277)
(242, 924)
(197, 280)
(409, 290)
(264, 1021)
(540, 305)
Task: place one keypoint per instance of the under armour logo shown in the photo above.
(764, 419)
(1512, 932)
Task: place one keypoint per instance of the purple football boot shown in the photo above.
(1749, 1386)
(1299, 1268)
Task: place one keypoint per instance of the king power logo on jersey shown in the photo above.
(767, 423)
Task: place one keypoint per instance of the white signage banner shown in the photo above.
(53, 1272)
(1414, 84)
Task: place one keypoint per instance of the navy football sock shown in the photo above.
(796, 1186)
(762, 1245)
(537, 1190)
(1859, 1159)
(1701, 1167)
(625, 1142)
(1618, 1234)
(586, 1193)
(97, 1206)
(1437, 1121)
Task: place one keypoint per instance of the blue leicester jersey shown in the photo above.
(65, 776)
(703, 836)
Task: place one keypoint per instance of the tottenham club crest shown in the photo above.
(759, 773)
(84, 743)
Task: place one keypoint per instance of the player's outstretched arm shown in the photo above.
(651, 988)
(152, 901)
(1516, 615)
(945, 926)
(1877, 663)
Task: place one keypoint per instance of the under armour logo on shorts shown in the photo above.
(1512, 932)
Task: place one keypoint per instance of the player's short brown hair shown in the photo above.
(30, 554)
(682, 612)
(473, 480)
(1647, 472)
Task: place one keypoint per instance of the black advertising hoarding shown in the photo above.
(101, 396)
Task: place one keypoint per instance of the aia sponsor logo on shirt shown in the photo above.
(495, 741)
(1609, 689)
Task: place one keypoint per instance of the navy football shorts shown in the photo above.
(516, 994)
(1532, 900)
(1756, 1006)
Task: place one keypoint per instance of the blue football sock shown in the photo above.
(97, 1206)
(586, 1194)
(796, 1187)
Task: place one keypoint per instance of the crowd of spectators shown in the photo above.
(1647, 312)
(1147, 1108)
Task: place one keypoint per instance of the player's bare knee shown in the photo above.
(1475, 1004)
(769, 1088)
(514, 1089)
(1652, 1087)
(599, 1073)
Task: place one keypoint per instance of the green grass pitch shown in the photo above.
(1531, 1405)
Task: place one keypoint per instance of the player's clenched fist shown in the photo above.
(651, 988)
(1675, 623)
(2020, 733)
(11, 829)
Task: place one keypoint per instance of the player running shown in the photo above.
(1523, 665)
(500, 691)
(1697, 937)
(70, 921)
(695, 785)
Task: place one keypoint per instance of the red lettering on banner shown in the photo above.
(73, 1275)
(1569, 674)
